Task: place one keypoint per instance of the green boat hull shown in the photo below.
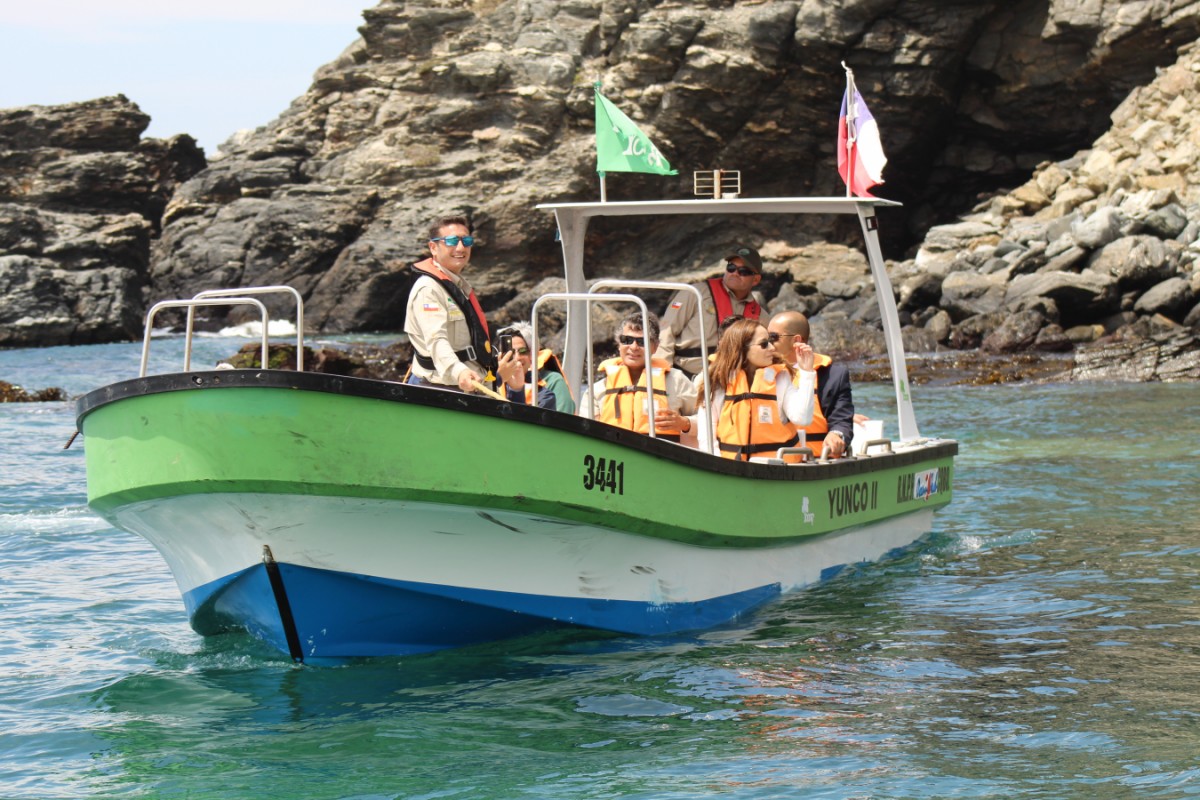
(263, 489)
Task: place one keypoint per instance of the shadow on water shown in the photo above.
(237, 676)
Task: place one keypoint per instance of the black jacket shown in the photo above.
(837, 402)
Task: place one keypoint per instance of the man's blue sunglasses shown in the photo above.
(452, 241)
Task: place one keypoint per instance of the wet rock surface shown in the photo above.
(10, 393)
(382, 362)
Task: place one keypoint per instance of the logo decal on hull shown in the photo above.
(922, 485)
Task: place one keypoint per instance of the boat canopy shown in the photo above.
(572, 219)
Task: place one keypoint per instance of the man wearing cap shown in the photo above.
(725, 296)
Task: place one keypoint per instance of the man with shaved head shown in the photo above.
(833, 415)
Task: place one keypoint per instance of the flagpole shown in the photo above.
(851, 129)
(603, 189)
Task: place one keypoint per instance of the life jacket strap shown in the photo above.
(628, 389)
(752, 449)
(737, 398)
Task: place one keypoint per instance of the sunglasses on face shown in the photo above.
(764, 344)
(745, 272)
(521, 351)
(452, 241)
(627, 339)
(775, 337)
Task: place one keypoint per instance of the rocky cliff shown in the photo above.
(81, 198)
(487, 108)
(1101, 247)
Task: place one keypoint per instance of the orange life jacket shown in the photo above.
(750, 424)
(544, 357)
(626, 405)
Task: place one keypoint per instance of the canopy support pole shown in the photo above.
(891, 323)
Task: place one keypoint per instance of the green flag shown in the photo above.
(621, 146)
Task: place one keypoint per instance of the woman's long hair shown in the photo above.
(735, 343)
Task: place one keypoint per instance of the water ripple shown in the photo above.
(1041, 643)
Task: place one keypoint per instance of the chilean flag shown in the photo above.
(859, 151)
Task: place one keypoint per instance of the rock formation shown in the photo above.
(10, 393)
(488, 109)
(1086, 107)
(81, 196)
(1101, 246)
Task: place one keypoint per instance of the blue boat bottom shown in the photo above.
(343, 615)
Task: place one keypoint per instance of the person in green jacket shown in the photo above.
(553, 392)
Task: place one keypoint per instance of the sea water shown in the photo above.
(1044, 642)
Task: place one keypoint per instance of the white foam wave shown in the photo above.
(253, 330)
(73, 519)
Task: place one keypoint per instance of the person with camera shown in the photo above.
(452, 347)
(552, 390)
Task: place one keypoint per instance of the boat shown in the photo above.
(337, 517)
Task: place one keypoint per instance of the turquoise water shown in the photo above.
(1044, 643)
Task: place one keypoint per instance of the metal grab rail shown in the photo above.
(190, 304)
(804, 451)
(674, 286)
(249, 290)
(589, 299)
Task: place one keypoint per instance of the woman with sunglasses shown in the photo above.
(553, 392)
(758, 406)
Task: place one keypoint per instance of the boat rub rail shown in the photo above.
(398, 392)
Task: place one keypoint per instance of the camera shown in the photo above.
(505, 342)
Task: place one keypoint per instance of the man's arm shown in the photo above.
(593, 398)
(682, 395)
(679, 311)
(796, 399)
(837, 401)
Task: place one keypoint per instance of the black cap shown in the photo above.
(748, 254)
